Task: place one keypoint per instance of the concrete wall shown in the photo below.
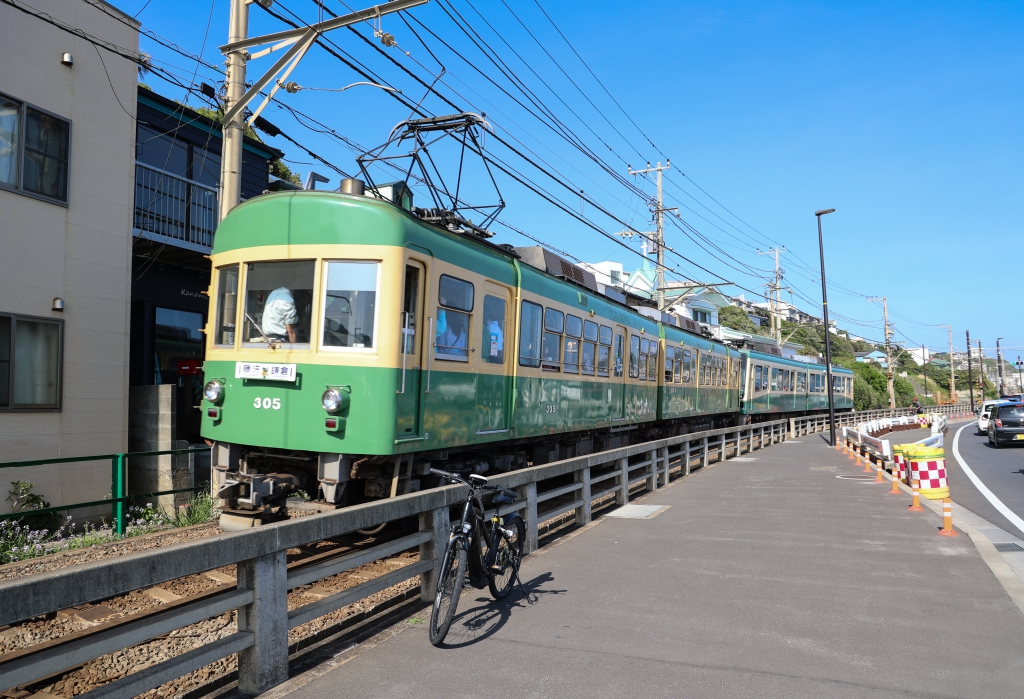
(80, 253)
(151, 426)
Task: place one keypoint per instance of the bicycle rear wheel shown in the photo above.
(449, 587)
(507, 558)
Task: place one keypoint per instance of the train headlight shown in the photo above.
(331, 400)
(213, 391)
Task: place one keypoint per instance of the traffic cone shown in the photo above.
(947, 518)
(915, 505)
(895, 490)
(878, 473)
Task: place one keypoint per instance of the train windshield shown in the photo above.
(350, 304)
(278, 302)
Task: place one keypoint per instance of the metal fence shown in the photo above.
(119, 496)
(576, 486)
(174, 207)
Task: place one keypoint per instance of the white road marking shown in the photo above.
(996, 502)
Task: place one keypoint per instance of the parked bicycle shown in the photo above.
(489, 550)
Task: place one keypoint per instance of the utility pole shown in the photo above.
(659, 235)
(999, 365)
(924, 374)
(1020, 375)
(828, 340)
(237, 98)
(952, 375)
(773, 294)
(888, 352)
(970, 377)
(234, 128)
(981, 371)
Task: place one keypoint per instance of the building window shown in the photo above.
(31, 359)
(34, 150)
(701, 316)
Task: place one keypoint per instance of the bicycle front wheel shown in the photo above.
(449, 587)
(507, 558)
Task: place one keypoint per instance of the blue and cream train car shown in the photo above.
(774, 385)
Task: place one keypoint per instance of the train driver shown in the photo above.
(280, 316)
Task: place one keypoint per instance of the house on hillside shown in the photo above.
(872, 357)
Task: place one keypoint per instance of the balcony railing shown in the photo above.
(174, 209)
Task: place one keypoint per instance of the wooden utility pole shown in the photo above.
(952, 374)
(970, 377)
(890, 380)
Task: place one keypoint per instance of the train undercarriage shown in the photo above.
(257, 485)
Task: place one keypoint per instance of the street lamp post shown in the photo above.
(828, 340)
(999, 364)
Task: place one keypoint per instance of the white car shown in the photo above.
(983, 415)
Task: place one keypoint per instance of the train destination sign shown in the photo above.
(265, 372)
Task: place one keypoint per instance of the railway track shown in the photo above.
(106, 616)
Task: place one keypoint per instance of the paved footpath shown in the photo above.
(764, 578)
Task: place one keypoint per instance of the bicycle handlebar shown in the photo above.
(456, 478)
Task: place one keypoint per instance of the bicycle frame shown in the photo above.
(471, 539)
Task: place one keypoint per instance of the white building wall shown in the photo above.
(81, 252)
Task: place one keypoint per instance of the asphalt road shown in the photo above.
(1001, 470)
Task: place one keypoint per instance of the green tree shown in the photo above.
(280, 170)
(737, 319)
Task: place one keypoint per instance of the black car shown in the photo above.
(1006, 423)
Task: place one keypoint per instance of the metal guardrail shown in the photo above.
(118, 484)
(263, 580)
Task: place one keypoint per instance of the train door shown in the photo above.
(493, 390)
(617, 382)
(410, 324)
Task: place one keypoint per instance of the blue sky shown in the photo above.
(905, 117)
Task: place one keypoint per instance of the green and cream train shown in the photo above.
(351, 346)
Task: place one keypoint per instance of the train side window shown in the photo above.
(604, 350)
(645, 348)
(493, 341)
(227, 304)
(775, 379)
(620, 352)
(757, 379)
(670, 357)
(573, 331)
(409, 305)
(677, 369)
(587, 352)
(603, 359)
(451, 342)
(687, 366)
(588, 348)
(554, 326)
(801, 380)
(530, 334)
(634, 356)
(279, 302)
(652, 364)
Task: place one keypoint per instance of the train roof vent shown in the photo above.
(555, 265)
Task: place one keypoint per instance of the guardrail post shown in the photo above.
(686, 462)
(652, 473)
(118, 489)
(704, 454)
(583, 511)
(528, 493)
(665, 460)
(792, 428)
(622, 494)
(265, 663)
(437, 523)
(723, 448)
(739, 442)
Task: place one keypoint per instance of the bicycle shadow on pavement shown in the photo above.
(488, 615)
